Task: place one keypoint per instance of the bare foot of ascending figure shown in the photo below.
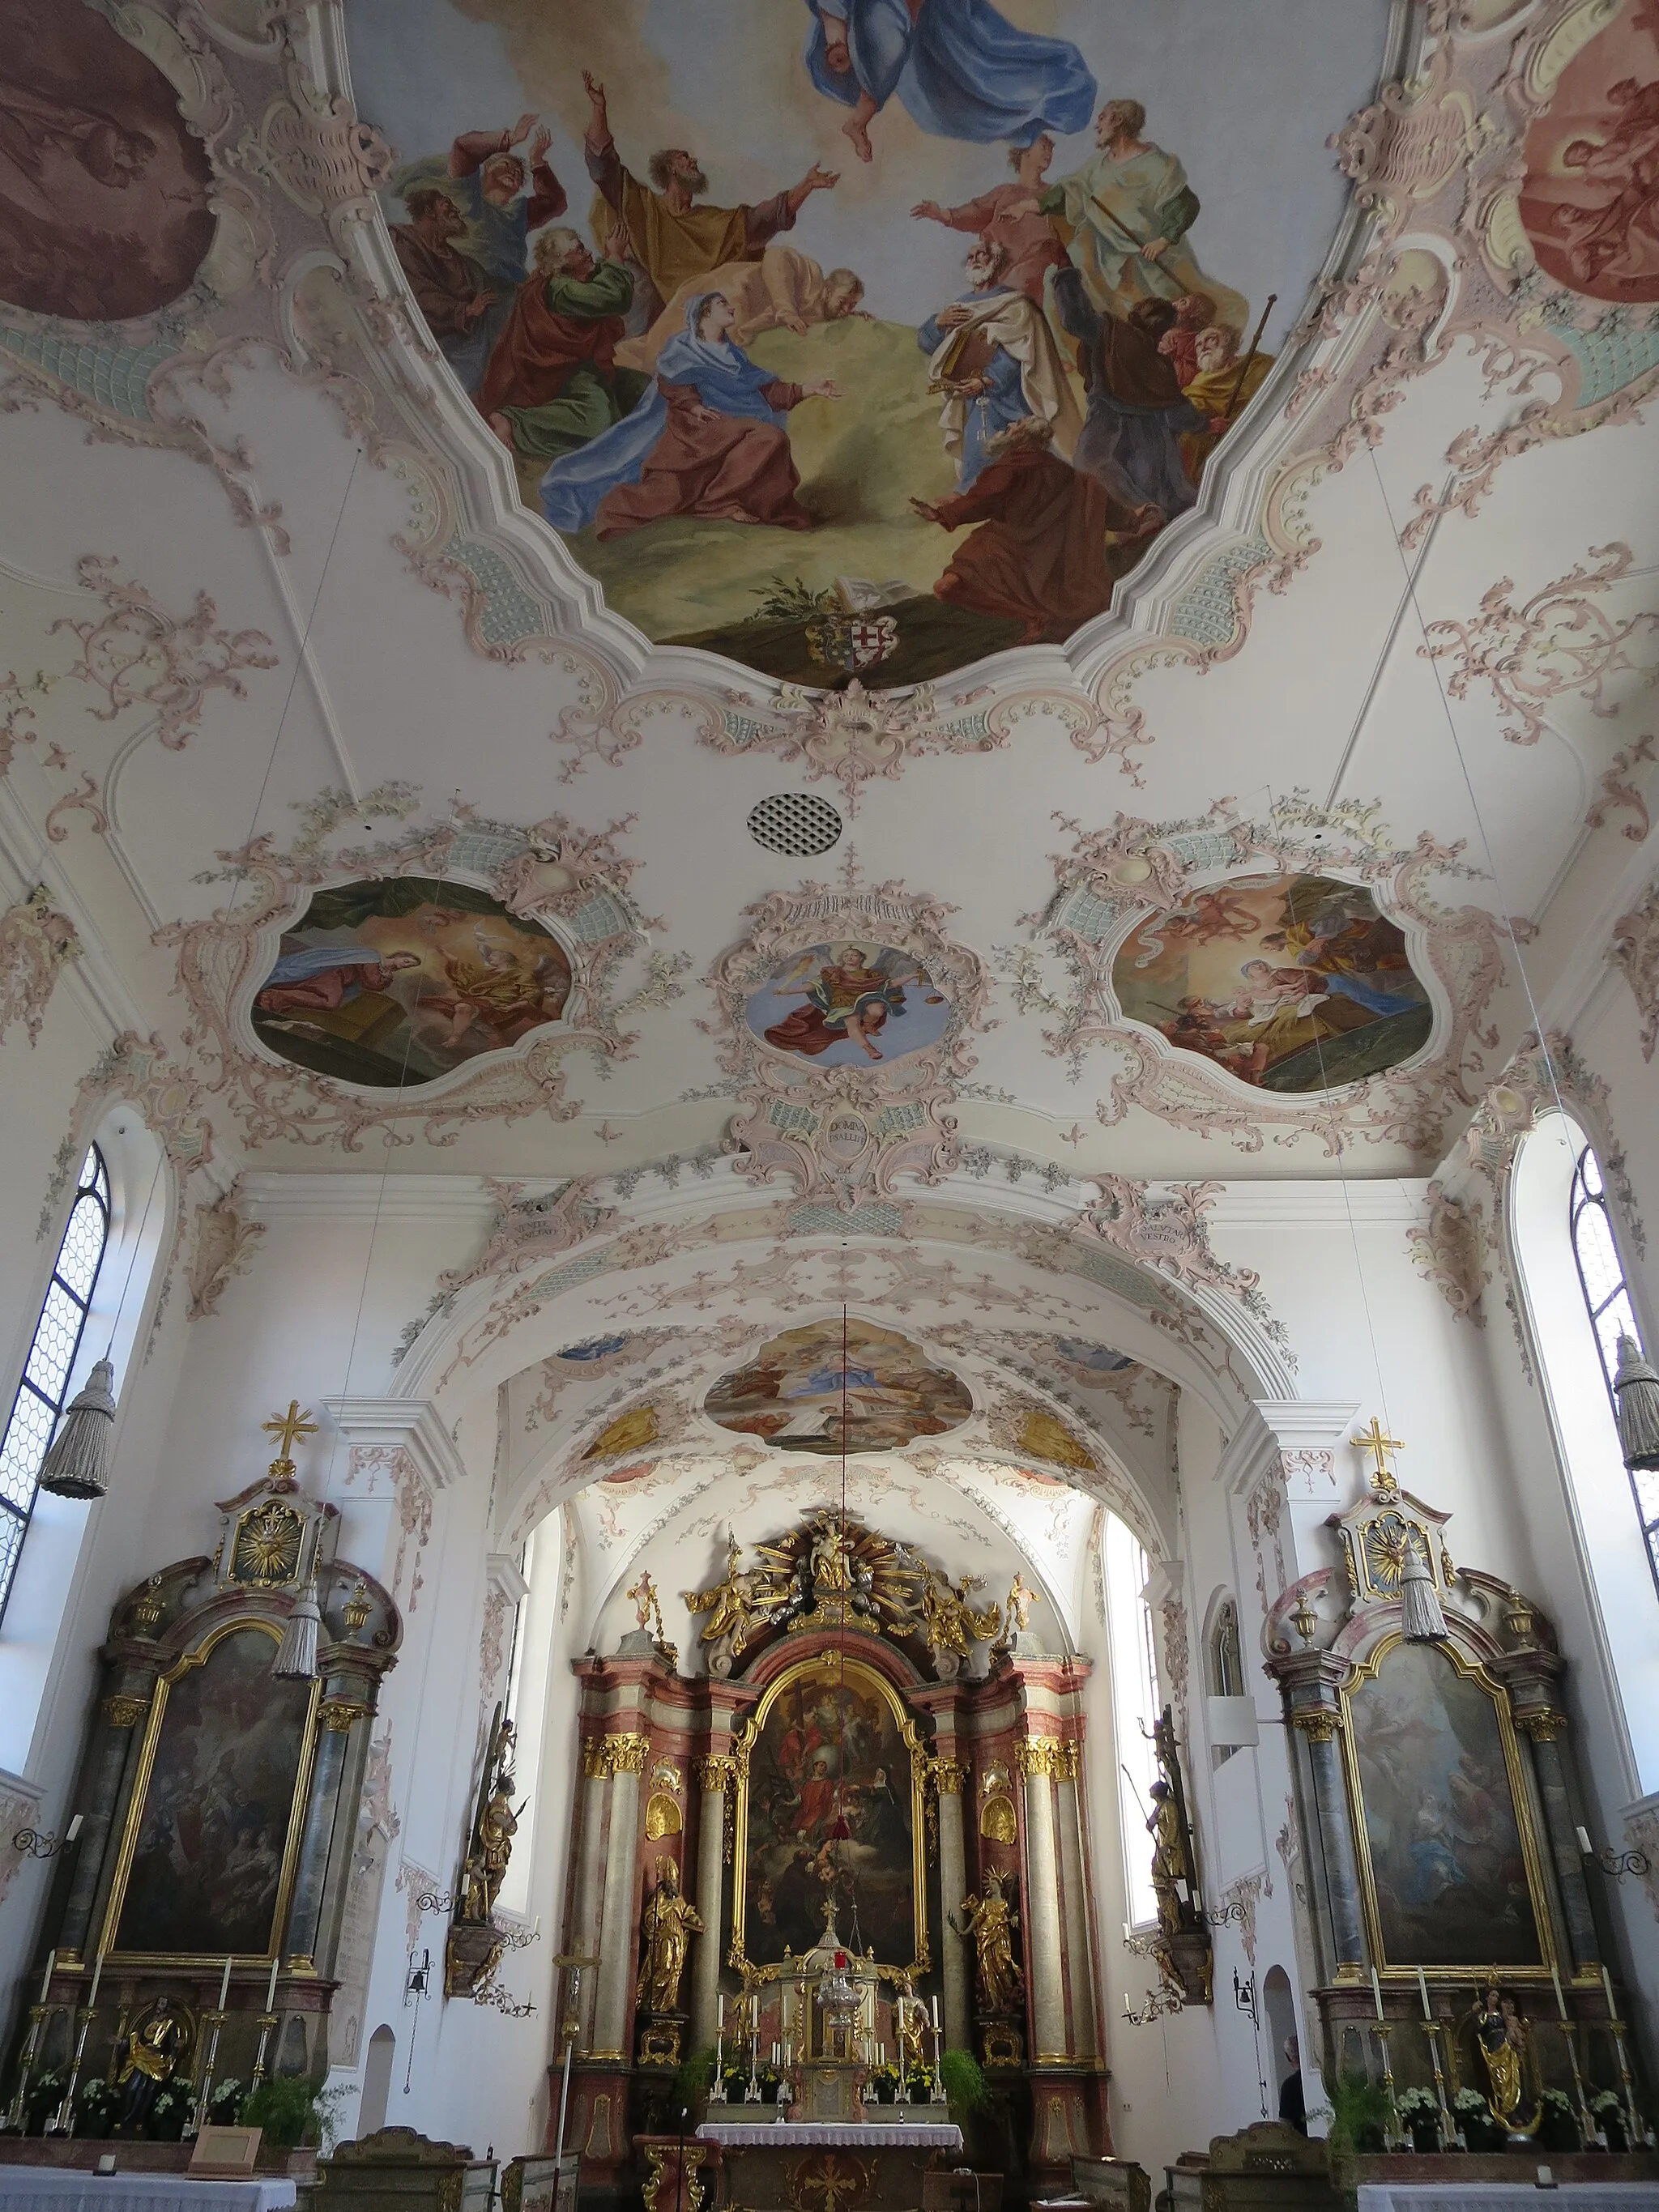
(503, 430)
(853, 128)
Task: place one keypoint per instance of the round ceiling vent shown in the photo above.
(796, 821)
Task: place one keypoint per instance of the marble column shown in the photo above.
(1079, 1944)
(1543, 1730)
(335, 1716)
(1319, 1731)
(1040, 1759)
(103, 1800)
(617, 1932)
(952, 1778)
(717, 1775)
(584, 1933)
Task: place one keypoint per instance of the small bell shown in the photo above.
(77, 1464)
(296, 1654)
(1420, 1601)
(1635, 1388)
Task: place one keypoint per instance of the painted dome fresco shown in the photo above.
(848, 339)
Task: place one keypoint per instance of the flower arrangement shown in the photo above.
(95, 2106)
(46, 2093)
(1557, 2127)
(169, 2112)
(886, 2081)
(1608, 2110)
(1420, 2115)
(918, 2085)
(1474, 2117)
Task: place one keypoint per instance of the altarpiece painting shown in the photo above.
(1447, 1856)
(216, 1822)
(829, 1815)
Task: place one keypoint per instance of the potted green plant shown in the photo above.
(1359, 2115)
(285, 2108)
(963, 2080)
(1558, 2123)
(1474, 2116)
(168, 2113)
(1420, 2115)
(693, 2077)
(1607, 2111)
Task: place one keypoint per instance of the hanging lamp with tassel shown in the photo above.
(1636, 1389)
(1420, 1601)
(77, 1464)
(296, 1654)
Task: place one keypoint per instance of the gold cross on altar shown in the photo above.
(1379, 1444)
(287, 1427)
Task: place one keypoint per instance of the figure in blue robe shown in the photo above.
(725, 380)
(960, 69)
(1002, 400)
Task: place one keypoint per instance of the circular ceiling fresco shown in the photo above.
(104, 208)
(849, 338)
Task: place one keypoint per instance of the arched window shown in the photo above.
(1134, 1705)
(1601, 1277)
(46, 1371)
(1226, 1665)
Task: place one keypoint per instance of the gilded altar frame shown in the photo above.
(832, 1666)
(296, 1813)
(1366, 1670)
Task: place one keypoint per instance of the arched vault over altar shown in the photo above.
(599, 1337)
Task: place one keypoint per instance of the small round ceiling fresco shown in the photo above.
(845, 1005)
(1291, 983)
(401, 980)
(1588, 202)
(862, 336)
(812, 1391)
(103, 192)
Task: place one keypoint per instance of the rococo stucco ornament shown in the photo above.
(845, 1016)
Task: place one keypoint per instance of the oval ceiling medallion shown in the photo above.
(1587, 201)
(104, 208)
(812, 1390)
(860, 340)
(397, 980)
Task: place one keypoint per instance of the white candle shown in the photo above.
(1607, 1985)
(1423, 1992)
(1584, 1843)
(1560, 2001)
(720, 2017)
(1377, 1992)
(271, 1989)
(936, 2014)
(224, 1985)
(46, 1978)
(97, 1976)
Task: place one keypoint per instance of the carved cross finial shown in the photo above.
(1375, 1441)
(287, 1428)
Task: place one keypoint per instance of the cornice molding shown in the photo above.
(1275, 1426)
(410, 1425)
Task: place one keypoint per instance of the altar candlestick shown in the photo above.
(1377, 1993)
(1560, 2001)
(271, 1989)
(97, 1976)
(1423, 1992)
(224, 1985)
(46, 1978)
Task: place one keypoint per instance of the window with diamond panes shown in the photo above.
(51, 1363)
(1612, 1314)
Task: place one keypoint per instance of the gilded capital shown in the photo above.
(614, 1754)
(1543, 1726)
(717, 1772)
(1047, 1755)
(336, 1715)
(1318, 1725)
(125, 1712)
(950, 1776)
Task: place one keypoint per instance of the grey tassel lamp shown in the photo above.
(296, 1654)
(1420, 1601)
(77, 1464)
(1636, 1389)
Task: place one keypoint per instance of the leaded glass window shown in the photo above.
(1607, 1295)
(51, 1363)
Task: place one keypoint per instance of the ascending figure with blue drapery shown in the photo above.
(961, 69)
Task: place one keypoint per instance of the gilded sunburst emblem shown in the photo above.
(267, 1545)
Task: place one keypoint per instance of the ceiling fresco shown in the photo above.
(103, 191)
(840, 1385)
(854, 339)
(1588, 202)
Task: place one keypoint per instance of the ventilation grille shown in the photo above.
(795, 822)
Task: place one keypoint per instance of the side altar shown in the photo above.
(845, 1839)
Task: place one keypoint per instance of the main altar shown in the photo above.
(847, 1843)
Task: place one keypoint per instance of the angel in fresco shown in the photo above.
(960, 69)
(851, 995)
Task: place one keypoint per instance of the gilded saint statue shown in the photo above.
(909, 2027)
(154, 2048)
(667, 1922)
(494, 1827)
(1497, 2038)
(1169, 1856)
(990, 1920)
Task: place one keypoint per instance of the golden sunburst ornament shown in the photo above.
(268, 1545)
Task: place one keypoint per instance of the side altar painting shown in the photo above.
(847, 335)
(1289, 983)
(400, 980)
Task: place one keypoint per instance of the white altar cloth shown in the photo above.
(72, 2188)
(785, 2134)
(1507, 2196)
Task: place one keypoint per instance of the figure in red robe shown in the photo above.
(1039, 558)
